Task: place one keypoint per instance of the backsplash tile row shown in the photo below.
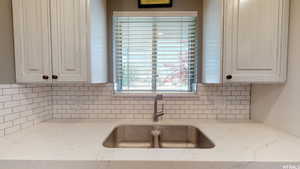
(83, 101)
(23, 106)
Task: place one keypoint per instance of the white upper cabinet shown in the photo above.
(255, 40)
(32, 40)
(245, 41)
(57, 39)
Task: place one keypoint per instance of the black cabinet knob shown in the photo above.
(45, 77)
(54, 77)
(229, 77)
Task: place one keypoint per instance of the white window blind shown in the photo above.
(155, 53)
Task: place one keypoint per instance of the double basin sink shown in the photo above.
(158, 136)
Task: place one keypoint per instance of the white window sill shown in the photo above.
(153, 94)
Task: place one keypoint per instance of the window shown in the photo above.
(155, 52)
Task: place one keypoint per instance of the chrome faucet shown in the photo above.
(157, 114)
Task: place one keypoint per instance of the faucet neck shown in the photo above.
(157, 114)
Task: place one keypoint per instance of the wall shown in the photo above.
(75, 101)
(132, 5)
(278, 105)
(23, 106)
(7, 69)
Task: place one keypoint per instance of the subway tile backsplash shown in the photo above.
(23, 106)
(74, 101)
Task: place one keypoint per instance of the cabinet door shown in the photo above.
(255, 40)
(32, 40)
(69, 40)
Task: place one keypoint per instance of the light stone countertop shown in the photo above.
(81, 140)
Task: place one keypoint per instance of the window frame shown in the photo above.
(192, 86)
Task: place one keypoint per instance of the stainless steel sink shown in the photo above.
(158, 136)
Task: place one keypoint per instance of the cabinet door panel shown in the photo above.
(255, 40)
(69, 39)
(32, 40)
(256, 52)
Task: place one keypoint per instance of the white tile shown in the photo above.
(5, 111)
(11, 117)
(11, 130)
(19, 121)
(27, 124)
(19, 109)
(10, 91)
(11, 104)
(5, 98)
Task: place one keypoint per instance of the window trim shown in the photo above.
(118, 92)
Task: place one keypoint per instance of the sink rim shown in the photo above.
(159, 125)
